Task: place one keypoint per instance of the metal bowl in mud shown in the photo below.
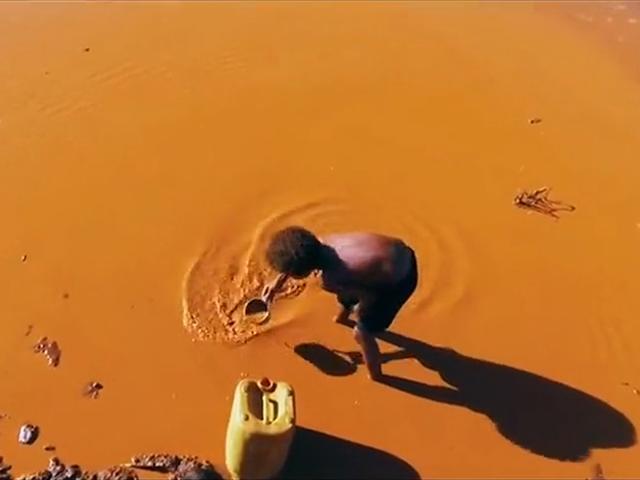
(256, 310)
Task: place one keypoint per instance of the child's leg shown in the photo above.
(370, 351)
(377, 315)
(348, 305)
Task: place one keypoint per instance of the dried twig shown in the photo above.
(538, 201)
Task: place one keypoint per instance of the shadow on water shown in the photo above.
(316, 455)
(541, 415)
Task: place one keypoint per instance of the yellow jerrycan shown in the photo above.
(260, 429)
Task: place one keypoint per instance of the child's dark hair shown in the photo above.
(294, 251)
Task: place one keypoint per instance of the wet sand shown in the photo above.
(136, 137)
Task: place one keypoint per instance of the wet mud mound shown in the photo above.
(215, 293)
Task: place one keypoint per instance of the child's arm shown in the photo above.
(270, 290)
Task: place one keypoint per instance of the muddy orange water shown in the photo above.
(138, 139)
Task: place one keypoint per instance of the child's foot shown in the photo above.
(375, 376)
(374, 372)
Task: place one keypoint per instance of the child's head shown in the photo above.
(294, 251)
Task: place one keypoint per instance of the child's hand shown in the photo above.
(343, 316)
(354, 357)
(267, 293)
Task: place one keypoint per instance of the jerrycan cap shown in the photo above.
(266, 385)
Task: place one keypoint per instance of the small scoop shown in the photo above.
(257, 310)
